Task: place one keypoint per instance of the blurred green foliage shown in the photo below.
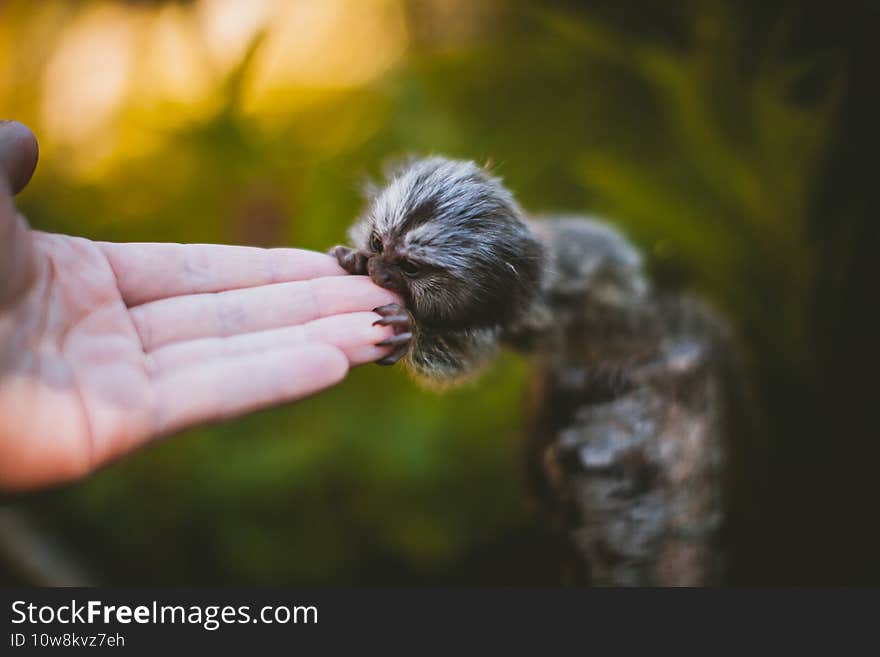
(702, 129)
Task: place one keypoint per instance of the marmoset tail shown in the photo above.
(630, 385)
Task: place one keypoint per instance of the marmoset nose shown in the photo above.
(383, 274)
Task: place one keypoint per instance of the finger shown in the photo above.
(353, 333)
(18, 154)
(233, 386)
(18, 157)
(253, 309)
(147, 272)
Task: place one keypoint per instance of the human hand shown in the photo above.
(104, 347)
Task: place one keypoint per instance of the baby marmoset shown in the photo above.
(451, 240)
(630, 410)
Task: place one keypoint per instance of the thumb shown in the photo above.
(18, 158)
(18, 154)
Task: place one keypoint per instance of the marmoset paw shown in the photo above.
(350, 260)
(397, 317)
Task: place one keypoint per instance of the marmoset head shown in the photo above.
(452, 241)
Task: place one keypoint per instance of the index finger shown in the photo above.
(236, 312)
(150, 271)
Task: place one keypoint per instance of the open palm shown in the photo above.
(104, 346)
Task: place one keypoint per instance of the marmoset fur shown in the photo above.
(451, 240)
(627, 448)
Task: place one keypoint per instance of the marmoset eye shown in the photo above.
(408, 267)
(376, 243)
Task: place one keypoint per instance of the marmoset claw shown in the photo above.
(394, 315)
(397, 317)
(350, 260)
